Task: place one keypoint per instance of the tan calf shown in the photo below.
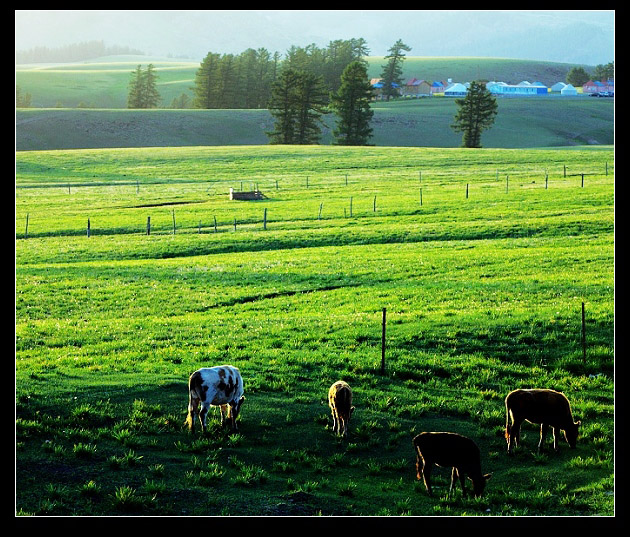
(547, 407)
(340, 403)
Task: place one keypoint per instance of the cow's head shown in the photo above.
(480, 484)
(571, 433)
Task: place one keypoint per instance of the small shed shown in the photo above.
(568, 90)
(246, 196)
(455, 90)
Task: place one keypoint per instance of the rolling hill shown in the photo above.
(100, 86)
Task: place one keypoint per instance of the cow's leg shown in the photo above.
(419, 466)
(203, 414)
(224, 411)
(543, 433)
(193, 404)
(454, 476)
(515, 435)
(462, 481)
(556, 435)
(335, 422)
(232, 417)
(426, 475)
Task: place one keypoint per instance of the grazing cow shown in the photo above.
(215, 386)
(450, 450)
(340, 403)
(547, 407)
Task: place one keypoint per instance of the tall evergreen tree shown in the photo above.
(298, 100)
(134, 95)
(352, 104)
(151, 96)
(205, 90)
(283, 107)
(476, 113)
(312, 101)
(392, 70)
(142, 88)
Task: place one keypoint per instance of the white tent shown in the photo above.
(456, 90)
(558, 86)
(568, 90)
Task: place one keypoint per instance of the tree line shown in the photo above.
(578, 76)
(71, 53)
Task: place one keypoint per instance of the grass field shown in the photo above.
(482, 259)
(520, 123)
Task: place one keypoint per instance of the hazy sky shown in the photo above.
(565, 36)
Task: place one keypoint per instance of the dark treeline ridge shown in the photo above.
(245, 80)
(72, 53)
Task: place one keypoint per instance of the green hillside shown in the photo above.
(466, 69)
(521, 122)
(93, 114)
(103, 82)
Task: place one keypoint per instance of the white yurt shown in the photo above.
(568, 90)
(558, 87)
(456, 90)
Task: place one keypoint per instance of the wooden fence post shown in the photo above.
(421, 197)
(88, 228)
(374, 206)
(350, 206)
(319, 216)
(383, 341)
(215, 224)
(148, 225)
(265, 219)
(173, 221)
(26, 230)
(466, 190)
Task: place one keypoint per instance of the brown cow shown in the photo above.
(449, 450)
(547, 407)
(340, 402)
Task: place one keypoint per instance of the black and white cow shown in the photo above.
(215, 386)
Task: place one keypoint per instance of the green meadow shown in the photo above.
(482, 260)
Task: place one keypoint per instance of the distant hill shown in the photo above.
(103, 82)
(521, 123)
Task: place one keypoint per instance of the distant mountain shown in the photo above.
(580, 37)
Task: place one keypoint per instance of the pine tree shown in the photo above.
(298, 101)
(205, 89)
(283, 107)
(134, 96)
(312, 102)
(151, 97)
(392, 70)
(142, 89)
(476, 113)
(352, 104)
